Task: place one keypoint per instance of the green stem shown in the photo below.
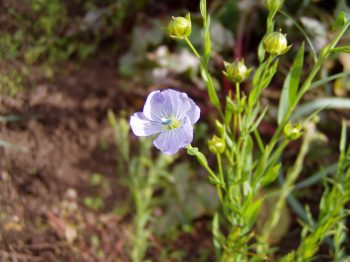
(207, 74)
(193, 49)
(238, 92)
(285, 191)
(307, 83)
(312, 48)
(259, 140)
(221, 176)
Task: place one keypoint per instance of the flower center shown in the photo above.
(170, 123)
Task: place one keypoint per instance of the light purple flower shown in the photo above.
(171, 115)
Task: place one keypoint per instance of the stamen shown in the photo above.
(165, 121)
(170, 123)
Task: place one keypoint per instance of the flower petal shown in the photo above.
(141, 126)
(156, 106)
(182, 105)
(170, 142)
(194, 112)
(178, 103)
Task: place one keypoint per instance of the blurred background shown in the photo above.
(72, 70)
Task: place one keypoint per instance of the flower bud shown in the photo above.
(237, 71)
(276, 43)
(216, 145)
(180, 27)
(219, 127)
(274, 5)
(292, 132)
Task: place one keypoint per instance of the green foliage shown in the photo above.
(242, 172)
(46, 32)
(332, 212)
(142, 175)
(291, 84)
(185, 199)
(11, 83)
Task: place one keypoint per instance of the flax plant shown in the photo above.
(142, 175)
(245, 164)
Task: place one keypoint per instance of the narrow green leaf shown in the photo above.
(211, 89)
(300, 28)
(207, 42)
(290, 85)
(257, 75)
(252, 211)
(203, 8)
(217, 236)
(342, 144)
(296, 74)
(270, 74)
(326, 103)
(258, 121)
(341, 19)
(261, 52)
(328, 79)
(313, 179)
(271, 175)
(341, 49)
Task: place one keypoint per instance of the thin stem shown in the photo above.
(312, 48)
(307, 83)
(259, 140)
(238, 92)
(286, 189)
(221, 176)
(193, 49)
(206, 70)
(329, 78)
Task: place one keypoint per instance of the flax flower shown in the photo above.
(169, 114)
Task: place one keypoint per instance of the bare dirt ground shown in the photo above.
(42, 187)
(64, 138)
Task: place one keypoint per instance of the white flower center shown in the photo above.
(170, 123)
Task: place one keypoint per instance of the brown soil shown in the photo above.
(43, 186)
(64, 138)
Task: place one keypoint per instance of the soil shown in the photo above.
(43, 183)
(62, 138)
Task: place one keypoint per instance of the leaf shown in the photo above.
(290, 85)
(207, 43)
(270, 74)
(261, 52)
(257, 75)
(217, 235)
(313, 179)
(203, 8)
(341, 19)
(341, 49)
(271, 175)
(211, 89)
(251, 211)
(328, 79)
(342, 144)
(258, 121)
(326, 103)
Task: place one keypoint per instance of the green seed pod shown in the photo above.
(292, 132)
(180, 27)
(276, 43)
(274, 5)
(237, 71)
(216, 145)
